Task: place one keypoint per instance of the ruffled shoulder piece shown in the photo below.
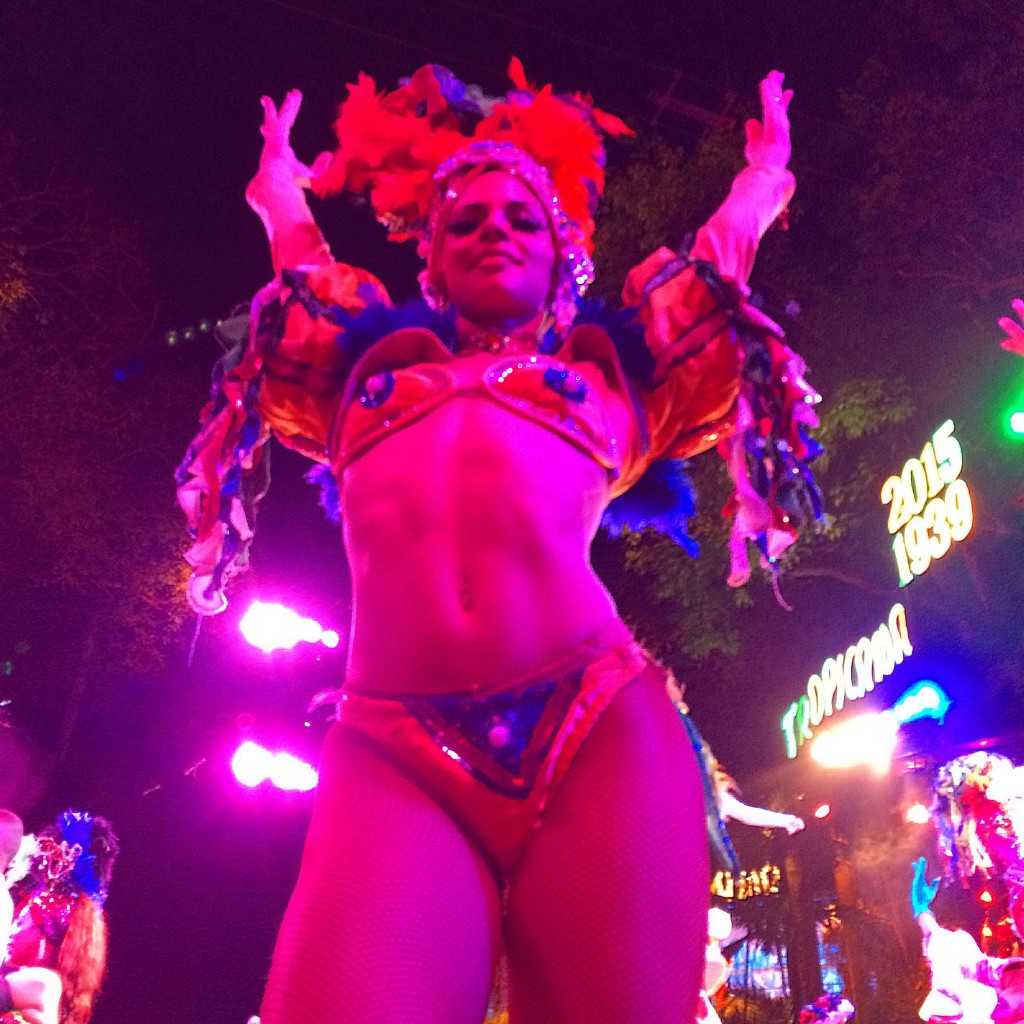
(663, 498)
(225, 472)
(306, 330)
(700, 324)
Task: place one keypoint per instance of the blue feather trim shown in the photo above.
(662, 499)
(76, 828)
(330, 496)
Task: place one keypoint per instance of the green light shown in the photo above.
(1017, 422)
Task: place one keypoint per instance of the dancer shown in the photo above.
(967, 986)
(59, 937)
(734, 809)
(721, 805)
(504, 766)
(979, 811)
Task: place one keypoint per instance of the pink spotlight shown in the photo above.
(822, 811)
(291, 774)
(272, 627)
(251, 764)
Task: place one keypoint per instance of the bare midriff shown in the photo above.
(468, 535)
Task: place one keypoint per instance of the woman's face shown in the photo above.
(498, 256)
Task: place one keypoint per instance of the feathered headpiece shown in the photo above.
(408, 150)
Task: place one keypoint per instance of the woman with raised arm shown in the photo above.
(505, 769)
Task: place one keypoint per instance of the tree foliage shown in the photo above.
(90, 433)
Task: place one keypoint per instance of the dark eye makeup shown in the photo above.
(472, 216)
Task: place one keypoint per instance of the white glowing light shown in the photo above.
(917, 814)
(251, 764)
(867, 739)
(272, 627)
(291, 774)
(822, 811)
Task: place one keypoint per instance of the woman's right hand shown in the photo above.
(1014, 340)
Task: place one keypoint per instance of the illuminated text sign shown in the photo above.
(930, 506)
(750, 883)
(847, 677)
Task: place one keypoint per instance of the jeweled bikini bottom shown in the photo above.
(492, 762)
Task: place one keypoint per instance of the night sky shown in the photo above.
(157, 104)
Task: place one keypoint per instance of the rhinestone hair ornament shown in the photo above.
(413, 151)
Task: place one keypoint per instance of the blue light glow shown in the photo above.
(925, 699)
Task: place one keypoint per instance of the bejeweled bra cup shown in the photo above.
(555, 396)
(538, 388)
(388, 401)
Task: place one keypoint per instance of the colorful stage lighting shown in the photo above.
(253, 765)
(272, 627)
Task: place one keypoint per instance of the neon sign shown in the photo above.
(847, 677)
(924, 699)
(765, 882)
(930, 505)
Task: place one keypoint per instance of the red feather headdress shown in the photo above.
(408, 149)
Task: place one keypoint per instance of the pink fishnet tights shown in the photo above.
(395, 918)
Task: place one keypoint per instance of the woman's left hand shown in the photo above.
(768, 139)
(1014, 340)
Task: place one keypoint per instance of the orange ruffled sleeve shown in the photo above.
(304, 366)
(723, 376)
(286, 378)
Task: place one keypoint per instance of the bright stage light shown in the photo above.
(272, 627)
(867, 739)
(289, 773)
(822, 811)
(253, 765)
(917, 814)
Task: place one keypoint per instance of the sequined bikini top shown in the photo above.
(410, 373)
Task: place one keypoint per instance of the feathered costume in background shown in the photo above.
(59, 922)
